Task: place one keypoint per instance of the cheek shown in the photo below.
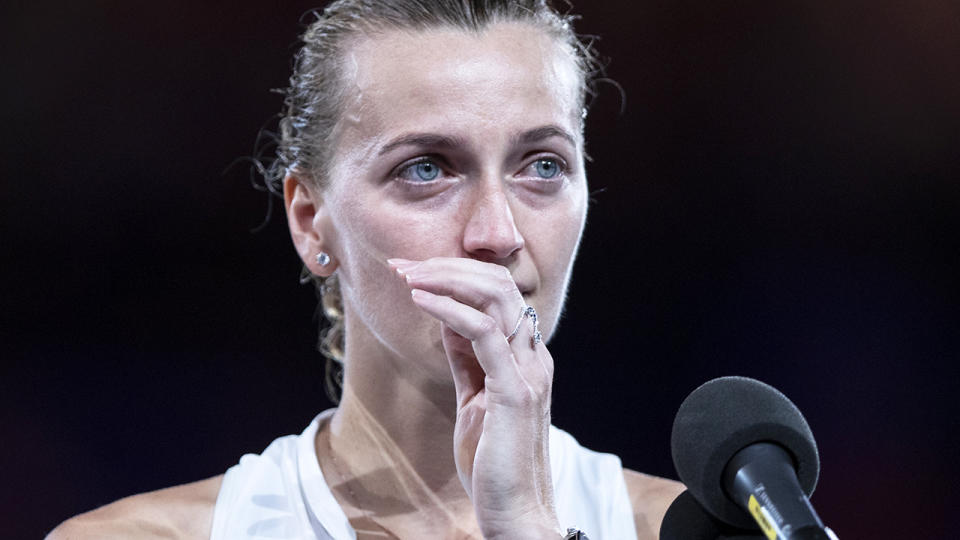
(556, 249)
(373, 292)
(383, 231)
(558, 234)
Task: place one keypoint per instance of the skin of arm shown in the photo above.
(182, 512)
(650, 497)
(186, 512)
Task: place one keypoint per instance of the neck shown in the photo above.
(393, 434)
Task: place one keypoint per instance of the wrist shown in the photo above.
(533, 526)
(529, 532)
(541, 533)
(574, 534)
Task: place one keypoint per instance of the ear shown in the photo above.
(309, 223)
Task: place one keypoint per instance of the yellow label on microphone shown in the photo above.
(762, 517)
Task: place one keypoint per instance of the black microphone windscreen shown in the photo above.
(724, 416)
(687, 520)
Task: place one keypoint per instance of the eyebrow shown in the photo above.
(434, 140)
(544, 133)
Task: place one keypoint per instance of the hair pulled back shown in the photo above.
(314, 100)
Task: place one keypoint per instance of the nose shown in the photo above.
(491, 232)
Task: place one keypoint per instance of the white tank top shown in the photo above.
(281, 493)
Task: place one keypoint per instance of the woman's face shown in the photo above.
(453, 144)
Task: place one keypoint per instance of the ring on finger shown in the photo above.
(527, 311)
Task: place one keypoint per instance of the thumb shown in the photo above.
(468, 376)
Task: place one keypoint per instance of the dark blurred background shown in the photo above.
(779, 200)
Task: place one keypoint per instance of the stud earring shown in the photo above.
(323, 259)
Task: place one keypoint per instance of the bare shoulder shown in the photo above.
(182, 512)
(650, 497)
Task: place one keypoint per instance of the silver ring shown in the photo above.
(527, 311)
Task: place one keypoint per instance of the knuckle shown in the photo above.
(509, 290)
(548, 366)
(540, 387)
(504, 277)
(506, 285)
(545, 391)
(526, 399)
(486, 324)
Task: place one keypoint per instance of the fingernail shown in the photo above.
(402, 266)
(402, 263)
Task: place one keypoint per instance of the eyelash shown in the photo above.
(405, 171)
(562, 168)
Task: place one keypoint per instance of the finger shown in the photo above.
(508, 381)
(488, 288)
(539, 371)
(518, 371)
(446, 263)
(485, 286)
(467, 374)
(492, 351)
(534, 365)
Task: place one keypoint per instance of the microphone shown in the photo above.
(740, 445)
(687, 520)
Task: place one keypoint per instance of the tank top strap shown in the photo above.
(280, 494)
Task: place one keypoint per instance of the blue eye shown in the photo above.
(427, 170)
(421, 171)
(547, 168)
